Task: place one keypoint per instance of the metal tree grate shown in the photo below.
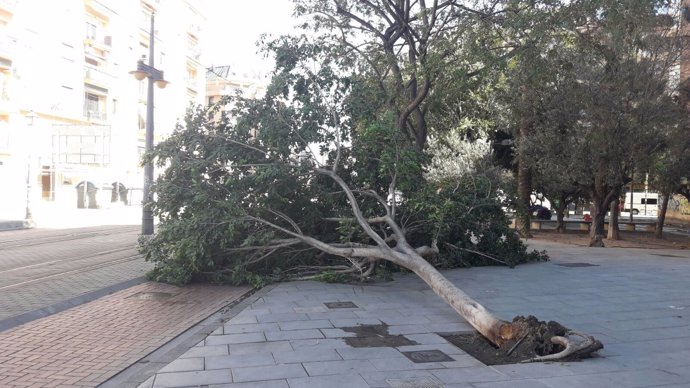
(422, 356)
(341, 305)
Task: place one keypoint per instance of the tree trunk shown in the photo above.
(560, 211)
(614, 233)
(659, 232)
(598, 218)
(524, 187)
(495, 330)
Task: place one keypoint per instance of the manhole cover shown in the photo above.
(669, 256)
(417, 382)
(576, 265)
(341, 305)
(152, 295)
(421, 356)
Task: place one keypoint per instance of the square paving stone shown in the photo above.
(299, 356)
(239, 361)
(184, 365)
(204, 351)
(293, 335)
(235, 338)
(187, 379)
(273, 372)
(346, 367)
(335, 381)
(249, 328)
(259, 347)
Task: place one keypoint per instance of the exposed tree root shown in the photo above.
(540, 341)
(573, 350)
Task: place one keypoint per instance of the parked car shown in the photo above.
(540, 212)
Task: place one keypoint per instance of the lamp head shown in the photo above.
(138, 74)
(161, 83)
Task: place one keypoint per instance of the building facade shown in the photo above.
(70, 111)
(229, 80)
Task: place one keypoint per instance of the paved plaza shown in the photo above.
(637, 302)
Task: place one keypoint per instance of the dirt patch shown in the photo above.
(375, 336)
(535, 341)
(628, 239)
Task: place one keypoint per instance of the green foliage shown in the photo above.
(236, 190)
(333, 277)
(470, 226)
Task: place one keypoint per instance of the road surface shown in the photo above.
(43, 271)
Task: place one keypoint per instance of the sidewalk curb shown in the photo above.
(137, 373)
(7, 225)
(27, 317)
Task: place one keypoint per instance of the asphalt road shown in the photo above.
(43, 271)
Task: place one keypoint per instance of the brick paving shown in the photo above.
(42, 268)
(88, 344)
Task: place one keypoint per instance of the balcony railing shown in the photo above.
(97, 77)
(92, 113)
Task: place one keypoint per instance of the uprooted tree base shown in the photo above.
(539, 341)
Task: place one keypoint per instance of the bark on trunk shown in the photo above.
(614, 233)
(495, 330)
(524, 187)
(659, 232)
(560, 212)
(597, 231)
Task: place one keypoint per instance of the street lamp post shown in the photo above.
(154, 76)
(28, 216)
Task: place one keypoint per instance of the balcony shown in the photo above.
(194, 30)
(103, 44)
(97, 77)
(193, 52)
(8, 48)
(96, 49)
(7, 9)
(93, 113)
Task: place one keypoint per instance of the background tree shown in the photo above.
(609, 100)
(669, 170)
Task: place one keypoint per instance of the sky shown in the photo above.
(234, 26)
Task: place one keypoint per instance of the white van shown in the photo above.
(646, 204)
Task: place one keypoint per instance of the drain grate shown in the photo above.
(341, 305)
(422, 356)
(152, 295)
(662, 255)
(415, 382)
(577, 265)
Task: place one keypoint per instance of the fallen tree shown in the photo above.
(304, 182)
(397, 250)
(246, 175)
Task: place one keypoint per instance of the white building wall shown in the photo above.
(48, 76)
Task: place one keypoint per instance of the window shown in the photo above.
(91, 31)
(93, 106)
(649, 201)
